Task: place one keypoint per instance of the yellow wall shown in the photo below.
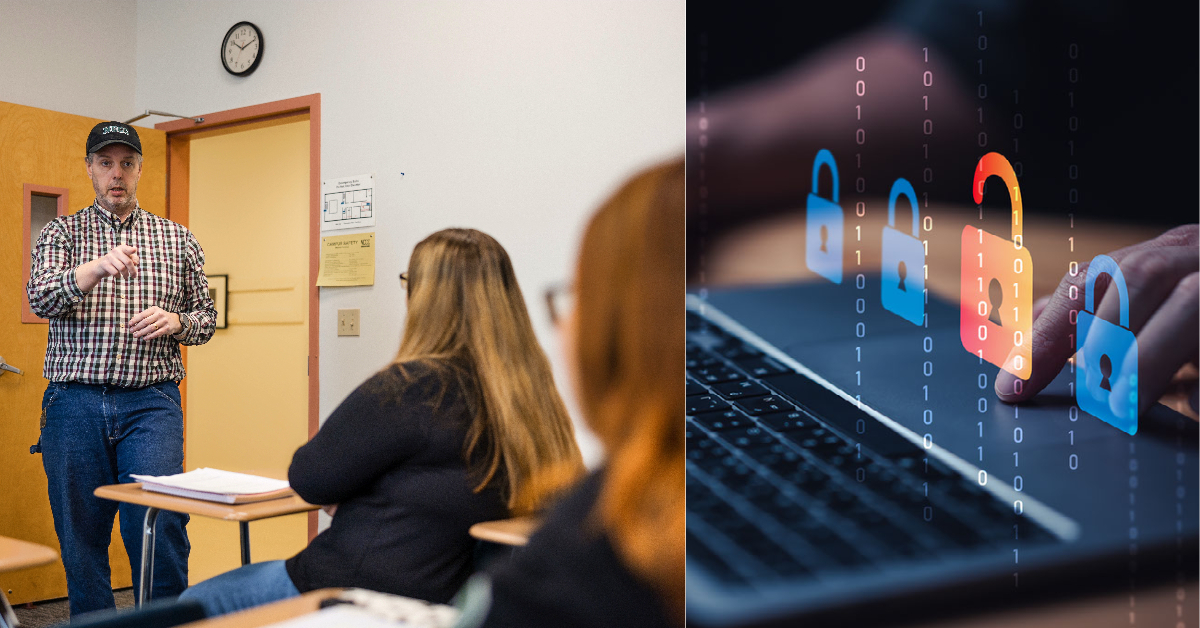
(247, 395)
(44, 148)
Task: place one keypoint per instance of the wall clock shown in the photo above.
(242, 49)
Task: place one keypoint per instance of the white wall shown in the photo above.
(70, 57)
(516, 118)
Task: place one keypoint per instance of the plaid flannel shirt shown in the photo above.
(89, 340)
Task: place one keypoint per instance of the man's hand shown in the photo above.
(121, 261)
(330, 509)
(1164, 295)
(154, 322)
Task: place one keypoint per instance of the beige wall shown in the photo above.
(247, 395)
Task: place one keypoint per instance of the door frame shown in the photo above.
(178, 162)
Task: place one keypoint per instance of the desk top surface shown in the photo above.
(132, 493)
(270, 613)
(16, 554)
(514, 531)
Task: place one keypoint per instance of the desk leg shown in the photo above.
(147, 583)
(7, 618)
(244, 528)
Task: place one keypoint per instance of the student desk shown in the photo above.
(268, 614)
(771, 250)
(16, 555)
(242, 513)
(515, 531)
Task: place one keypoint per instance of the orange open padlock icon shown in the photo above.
(996, 298)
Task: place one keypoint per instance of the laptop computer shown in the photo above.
(848, 467)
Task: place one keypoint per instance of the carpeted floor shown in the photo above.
(56, 612)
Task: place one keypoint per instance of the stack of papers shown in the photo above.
(215, 485)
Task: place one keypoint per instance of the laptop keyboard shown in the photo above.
(787, 480)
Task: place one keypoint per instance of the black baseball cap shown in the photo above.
(107, 133)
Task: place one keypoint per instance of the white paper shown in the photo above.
(348, 203)
(216, 481)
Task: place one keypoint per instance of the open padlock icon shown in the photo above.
(902, 269)
(996, 297)
(823, 234)
(1106, 355)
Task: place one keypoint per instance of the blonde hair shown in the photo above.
(629, 340)
(466, 312)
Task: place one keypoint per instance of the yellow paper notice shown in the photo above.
(347, 260)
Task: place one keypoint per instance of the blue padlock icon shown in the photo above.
(902, 269)
(823, 239)
(1106, 355)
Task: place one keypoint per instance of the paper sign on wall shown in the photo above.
(347, 260)
(348, 203)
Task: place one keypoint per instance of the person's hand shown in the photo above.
(154, 322)
(1164, 298)
(330, 509)
(121, 261)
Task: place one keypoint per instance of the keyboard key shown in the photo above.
(741, 390)
(786, 421)
(718, 422)
(841, 414)
(699, 404)
(737, 353)
(762, 366)
(748, 437)
(694, 388)
(701, 359)
(765, 405)
(716, 374)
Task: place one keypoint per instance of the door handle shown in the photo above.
(4, 366)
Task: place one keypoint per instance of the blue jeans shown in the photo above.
(98, 435)
(244, 587)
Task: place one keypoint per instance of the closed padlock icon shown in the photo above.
(996, 296)
(902, 269)
(1106, 355)
(823, 239)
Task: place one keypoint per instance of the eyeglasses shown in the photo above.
(404, 280)
(560, 300)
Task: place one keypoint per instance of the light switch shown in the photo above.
(348, 322)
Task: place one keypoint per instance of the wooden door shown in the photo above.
(43, 155)
(247, 402)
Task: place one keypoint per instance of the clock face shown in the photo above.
(242, 49)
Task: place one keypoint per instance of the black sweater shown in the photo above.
(391, 457)
(569, 575)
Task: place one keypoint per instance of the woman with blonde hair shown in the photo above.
(612, 553)
(466, 425)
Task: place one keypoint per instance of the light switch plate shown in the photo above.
(348, 322)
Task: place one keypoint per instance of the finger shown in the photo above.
(127, 249)
(1051, 338)
(1053, 332)
(142, 319)
(150, 333)
(1151, 275)
(1163, 345)
(118, 267)
(149, 330)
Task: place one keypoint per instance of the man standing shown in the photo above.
(122, 289)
